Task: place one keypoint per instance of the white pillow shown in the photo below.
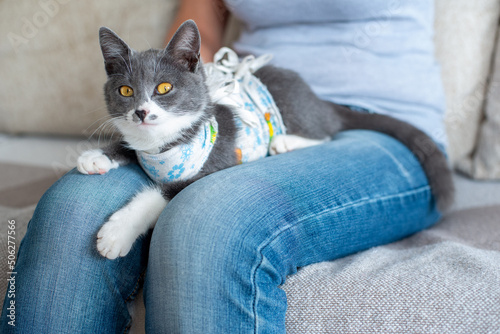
(464, 39)
(485, 160)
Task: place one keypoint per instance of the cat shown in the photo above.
(160, 103)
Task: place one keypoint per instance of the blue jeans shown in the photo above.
(223, 246)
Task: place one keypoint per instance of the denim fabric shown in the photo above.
(223, 246)
(63, 285)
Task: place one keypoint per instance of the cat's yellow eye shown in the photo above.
(164, 88)
(126, 91)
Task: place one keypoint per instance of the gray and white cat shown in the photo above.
(158, 100)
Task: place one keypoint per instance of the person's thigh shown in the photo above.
(63, 285)
(224, 245)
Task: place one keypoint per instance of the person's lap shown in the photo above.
(224, 244)
(222, 248)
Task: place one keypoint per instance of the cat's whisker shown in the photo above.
(109, 137)
(96, 121)
(94, 110)
(99, 119)
(116, 74)
(110, 126)
(158, 61)
(129, 68)
(130, 63)
(145, 40)
(101, 129)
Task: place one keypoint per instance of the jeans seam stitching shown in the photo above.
(137, 285)
(130, 299)
(406, 173)
(287, 227)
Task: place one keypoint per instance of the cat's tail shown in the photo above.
(429, 155)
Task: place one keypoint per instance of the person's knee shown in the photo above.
(77, 205)
(214, 218)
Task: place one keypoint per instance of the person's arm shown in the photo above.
(210, 17)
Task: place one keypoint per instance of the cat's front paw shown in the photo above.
(95, 162)
(115, 238)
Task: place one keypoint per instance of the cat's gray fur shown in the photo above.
(303, 113)
(325, 119)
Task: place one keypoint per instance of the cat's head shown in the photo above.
(155, 96)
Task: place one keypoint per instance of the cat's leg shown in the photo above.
(101, 161)
(95, 162)
(286, 143)
(117, 235)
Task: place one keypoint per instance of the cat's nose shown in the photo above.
(141, 113)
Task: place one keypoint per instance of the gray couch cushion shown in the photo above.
(443, 280)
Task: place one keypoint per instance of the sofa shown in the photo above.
(445, 279)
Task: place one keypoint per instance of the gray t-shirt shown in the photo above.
(372, 54)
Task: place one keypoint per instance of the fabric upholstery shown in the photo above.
(464, 39)
(443, 280)
(484, 162)
(51, 63)
(52, 45)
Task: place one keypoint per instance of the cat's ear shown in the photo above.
(184, 47)
(115, 51)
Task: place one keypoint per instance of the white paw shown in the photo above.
(279, 145)
(116, 237)
(95, 162)
(286, 143)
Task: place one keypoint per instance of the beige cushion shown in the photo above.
(51, 63)
(485, 160)
(465, 38)
(52, 70)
